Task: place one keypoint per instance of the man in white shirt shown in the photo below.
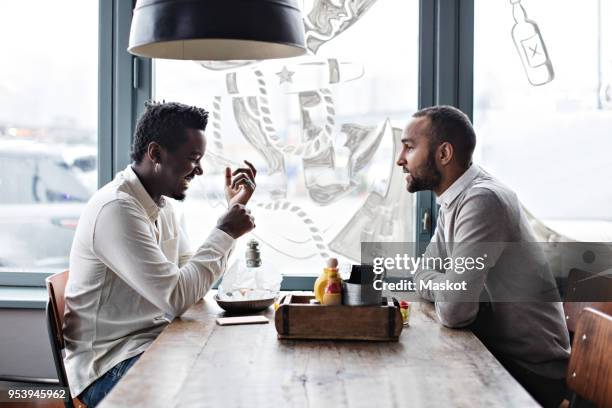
(511, 303)
(131, 270)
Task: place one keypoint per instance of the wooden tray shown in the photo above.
(296, 318)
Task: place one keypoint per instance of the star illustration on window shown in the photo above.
(285, 75)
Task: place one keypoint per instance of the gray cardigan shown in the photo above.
(511, 303)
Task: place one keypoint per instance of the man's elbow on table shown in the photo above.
(170, 308)
(456, 315)
(178, 311)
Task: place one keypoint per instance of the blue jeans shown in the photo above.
(93, 394)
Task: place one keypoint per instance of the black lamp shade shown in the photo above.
(217, 29)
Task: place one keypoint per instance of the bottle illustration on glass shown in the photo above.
(530, 46)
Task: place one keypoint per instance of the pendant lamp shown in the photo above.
(217, 29)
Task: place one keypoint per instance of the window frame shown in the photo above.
(446, 49)
(446, 76)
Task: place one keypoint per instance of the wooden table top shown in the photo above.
(195, 362)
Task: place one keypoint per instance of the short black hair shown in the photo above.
(449, 124)
(165, 123)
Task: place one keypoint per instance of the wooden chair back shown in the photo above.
(56, 285)
(581, 286)
(589, 373)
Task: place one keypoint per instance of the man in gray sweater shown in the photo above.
(511, 303)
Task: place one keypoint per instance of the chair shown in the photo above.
(582, 286)
(589, 373)
(56, 284)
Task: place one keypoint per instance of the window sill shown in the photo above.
(297, 282)
(23, 278)
(15, 295)
(21, 297)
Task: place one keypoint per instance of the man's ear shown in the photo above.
(446, 151)
(154, 152)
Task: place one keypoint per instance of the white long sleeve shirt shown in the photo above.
(131, 272)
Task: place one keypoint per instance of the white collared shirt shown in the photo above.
(458, 187)
(446, 199)
(131, 272)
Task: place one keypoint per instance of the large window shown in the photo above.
(48, 115)
(322, 130)
(543, 108)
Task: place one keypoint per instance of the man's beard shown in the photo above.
(179, 196)
(429, 176)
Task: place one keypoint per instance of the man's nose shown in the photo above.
(199, 171)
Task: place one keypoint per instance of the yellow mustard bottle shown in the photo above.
(333, 289)
(321, 282)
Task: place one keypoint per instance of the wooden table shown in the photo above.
(195, 362)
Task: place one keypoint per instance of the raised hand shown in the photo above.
(239, 184)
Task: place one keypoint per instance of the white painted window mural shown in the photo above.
(322, 130)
